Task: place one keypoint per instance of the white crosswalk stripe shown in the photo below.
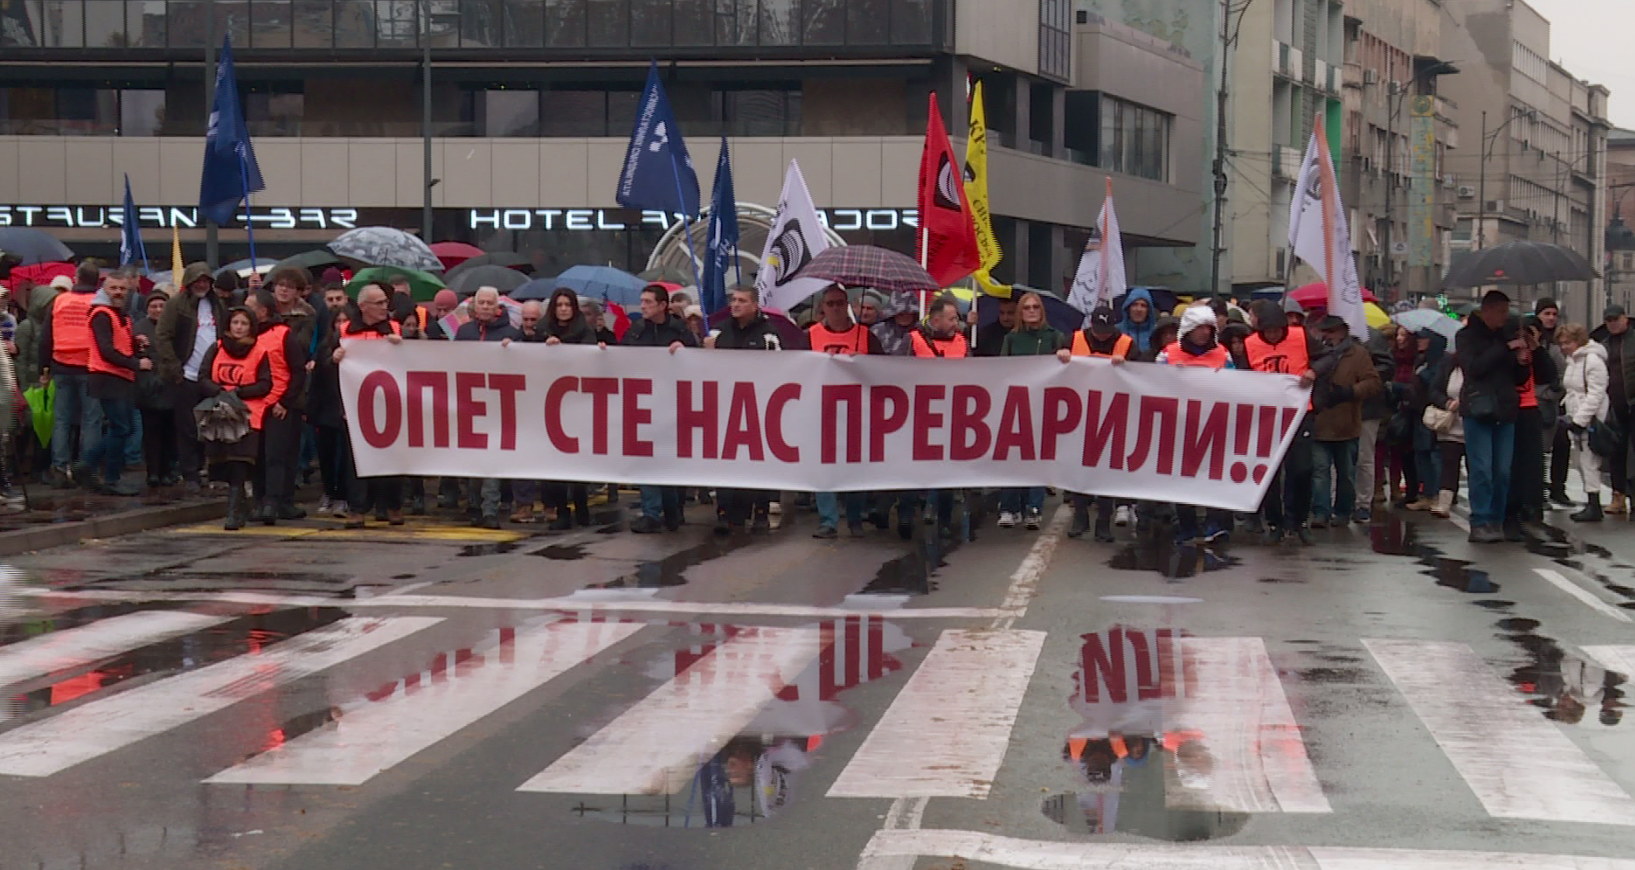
(102, 726)
(378, 735)
(88, 644)
(1482, 728)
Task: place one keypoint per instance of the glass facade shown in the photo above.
(1134, 139)
(631, 25)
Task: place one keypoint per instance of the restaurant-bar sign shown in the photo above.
(164, 217)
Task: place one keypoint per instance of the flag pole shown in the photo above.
(249, 224)
(687, 231)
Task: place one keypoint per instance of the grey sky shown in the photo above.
(1591, 38)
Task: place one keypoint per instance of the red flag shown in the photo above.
(947, 239)
(621, 320)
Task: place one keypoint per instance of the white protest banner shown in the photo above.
(807, 421)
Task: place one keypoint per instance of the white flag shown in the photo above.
(1100, 278)
(796, 237)
(1319, 235)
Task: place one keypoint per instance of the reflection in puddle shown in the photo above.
(912, 572)
(752, 775)
(245, 635)
(1397, 538)
(1175, 561)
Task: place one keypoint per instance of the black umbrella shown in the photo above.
(29, 246)
(466, 281)
(1518, 263)
(503, 259)
(312, 261)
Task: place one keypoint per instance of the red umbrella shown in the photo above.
(454, 253)
(1316, 295)
(42, 273)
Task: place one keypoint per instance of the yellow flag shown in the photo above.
(176, 265)
(976, 190)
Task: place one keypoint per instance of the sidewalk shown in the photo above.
(54, 517)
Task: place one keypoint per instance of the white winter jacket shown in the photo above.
(1586, 383)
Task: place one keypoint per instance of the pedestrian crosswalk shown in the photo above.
(1218, 710)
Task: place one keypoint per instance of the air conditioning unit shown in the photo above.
(1371, 77)
(1494, 205)
(1467, 192)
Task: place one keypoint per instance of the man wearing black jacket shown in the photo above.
(112, 366)
(1496, 364)
(746, 329)
(661, 505)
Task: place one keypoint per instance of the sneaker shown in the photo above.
(1363, 516)
(1485, 535)
(1034, 519)
(1081, 522)
(646, 525)
(1121, 515)
(489, 521)
(339, 508)
(1007, 519)
(122, 488)
(1104, 532)
(1304, 534)
(855, 528)
(826, 533)
(1319, 522)
(1217, 536)
(324, 505)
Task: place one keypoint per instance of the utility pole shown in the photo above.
(1481, 186)
(1218, 247)
(211, 244)
(425, 121)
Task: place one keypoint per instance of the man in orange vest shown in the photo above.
(373, 321)
(1281, 348)
(281, 426)
(1101, 339)
(836, 334)
(111, 365)
(65, 349)
(940, 338)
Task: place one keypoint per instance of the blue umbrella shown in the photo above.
(602, 282)
(1064, 317)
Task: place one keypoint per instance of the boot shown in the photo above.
(1619, 506)
(1081, 521)
(268, 515)
(1591, 512)
(1104, 529)
(581, 512)
(1558, 496)
(564, 519)
(1444, 504)
(235, 509)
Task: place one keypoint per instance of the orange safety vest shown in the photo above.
(271, 344)
(1287, 357)
(71, 329)
(230, 373)
(852, 342)
(346, 331)
(1216, 358)
(949, 348)
(123, 342)
(1081, 347)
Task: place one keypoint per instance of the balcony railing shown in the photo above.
(581, 27)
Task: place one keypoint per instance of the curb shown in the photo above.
(48, 535)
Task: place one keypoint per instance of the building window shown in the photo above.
(273, 113)
(1528, 62)
(141, 112)
(508, 113)
(1134, 139)
(1055, 39)
(758, 112)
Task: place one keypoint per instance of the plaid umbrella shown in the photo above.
(385, 246)
(869, 266)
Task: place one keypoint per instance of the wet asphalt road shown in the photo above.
(441, 697)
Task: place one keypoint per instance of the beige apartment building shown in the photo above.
(532, 103)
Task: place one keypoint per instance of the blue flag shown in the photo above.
(130, 235)
(657, 174)
(721, 242)
(230, 173)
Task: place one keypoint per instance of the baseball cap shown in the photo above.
(1613, 312)
(1101, 319)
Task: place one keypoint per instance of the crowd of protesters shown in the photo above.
(1517, 402)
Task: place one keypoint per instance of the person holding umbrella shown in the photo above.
(1494, 360)
(837, 335)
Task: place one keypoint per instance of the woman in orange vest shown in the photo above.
(237, 364)
(1198, 348)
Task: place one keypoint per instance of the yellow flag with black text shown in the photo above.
(976, 190)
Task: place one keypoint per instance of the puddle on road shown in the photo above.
(245, 635)
(563, 552)
(1398, 538)
(753, 776)
(671, 570)
(1176, 562)
(490, 549)
(1141, 768)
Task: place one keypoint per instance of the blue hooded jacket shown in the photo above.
(1140, 333)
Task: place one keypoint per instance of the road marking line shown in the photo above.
(376, 736)
(1614, 658)
(963, 700)
(100, 727)
(1460, 518)
(1558, 580)
(568, 603)
(88, 644)
(1238, 703)
(985, 848)
(1025, 579)
(1483, 726)
(655, 746)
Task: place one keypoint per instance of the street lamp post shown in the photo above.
(425, 121)
(1488, 139)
